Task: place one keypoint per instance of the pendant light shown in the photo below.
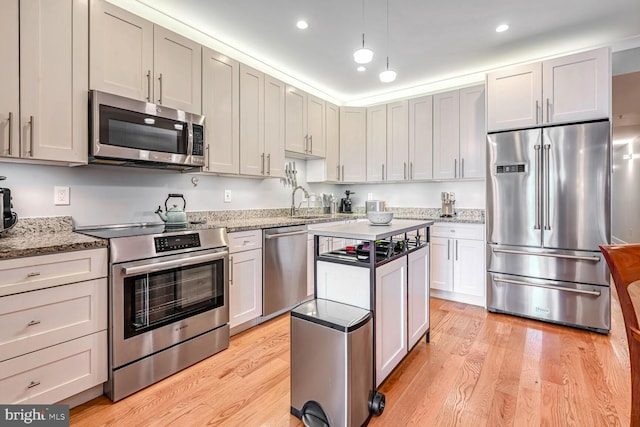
(363, 55)
(387, 76)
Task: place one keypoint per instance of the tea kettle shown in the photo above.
(174, 216)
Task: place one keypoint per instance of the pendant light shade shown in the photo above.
(363, 55)
(387, 76)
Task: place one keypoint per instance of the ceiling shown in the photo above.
(428, 41)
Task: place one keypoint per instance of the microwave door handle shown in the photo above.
(130, 270)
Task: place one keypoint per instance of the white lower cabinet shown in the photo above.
(458, 263)
(53, 340)
(245, 278)
(417, 295)
(390, 316)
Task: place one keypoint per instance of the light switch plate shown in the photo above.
(60, 196)
(227, 196)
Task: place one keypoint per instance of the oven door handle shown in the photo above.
(130, 270)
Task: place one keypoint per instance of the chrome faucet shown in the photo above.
(293, 198)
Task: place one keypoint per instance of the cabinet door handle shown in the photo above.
(338, 172)
(548, 114)
(311, 144)
(208, 157)
(462, 167)
(160, 92)
(405, 170)
(342, 172)
(383, 172)
(149, 85)
(33, 274)
(10, 132)
(33, 323)
(262, 164)
(30, 152)
(33, 384)
(456, 250)
(306, 143)
(269, 164)
(455, 168)
(448, 249)
(231, 270)
(410, 170)
(537, 111)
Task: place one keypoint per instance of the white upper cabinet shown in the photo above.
(332, 133)
(177, 65)
(274, 127)
(446, 134)
(353, 125)
(472, 132)
(421, 138)
(459, 134)
(132, 57)
(9, 78)
(377, 143)
(44, 80)
(398, 141)
(305, 124)
(252, 156)
(221, 107)
(566, 89)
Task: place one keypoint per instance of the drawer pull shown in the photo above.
(33, 323)
(32, 384)
(33, 274)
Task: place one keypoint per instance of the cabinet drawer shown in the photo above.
(55, 373)
(38, 319)
(458, 231)
(28, 274)
(245, 240)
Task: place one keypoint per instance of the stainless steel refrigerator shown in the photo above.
(548, 209)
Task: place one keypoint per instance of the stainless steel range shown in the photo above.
(168, 301)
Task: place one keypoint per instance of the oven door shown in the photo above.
(160, 302)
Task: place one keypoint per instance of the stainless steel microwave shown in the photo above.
(129, 132)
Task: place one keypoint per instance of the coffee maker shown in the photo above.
(448, 204)
(345, 202)
(7, 218)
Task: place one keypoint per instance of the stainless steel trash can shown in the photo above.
(332, 364)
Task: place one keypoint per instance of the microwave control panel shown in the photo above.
(174, 243)
(198, 140)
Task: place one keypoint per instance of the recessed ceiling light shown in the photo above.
(302, 24)
(502, 28)
(361, 68)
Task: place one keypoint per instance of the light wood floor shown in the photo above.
(480, 369)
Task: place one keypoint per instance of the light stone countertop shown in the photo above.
(47, 235)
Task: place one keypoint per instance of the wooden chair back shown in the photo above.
(624, 264)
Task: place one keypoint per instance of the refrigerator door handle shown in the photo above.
(536, 226)
(545, 190)
(575, 257)
(558, 288)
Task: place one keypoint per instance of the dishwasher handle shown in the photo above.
(291, 233)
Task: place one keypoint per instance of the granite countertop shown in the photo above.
(42, 236)
(49, 235)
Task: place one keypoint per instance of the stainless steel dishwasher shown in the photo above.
(285, 269)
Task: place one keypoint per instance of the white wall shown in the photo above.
(625, 197)
(113, 195)
(469, 194)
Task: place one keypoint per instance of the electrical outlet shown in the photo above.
(369, 196)
(61, 195)
(227, 196)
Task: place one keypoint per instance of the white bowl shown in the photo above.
(380, 218)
